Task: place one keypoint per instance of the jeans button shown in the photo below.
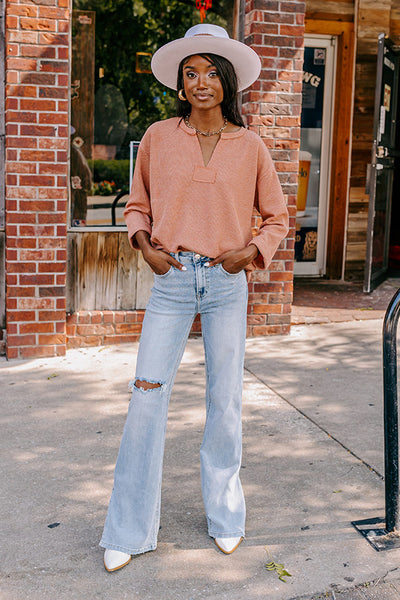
(197, 256)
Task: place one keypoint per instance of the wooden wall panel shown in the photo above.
(72, 281)
(363, 119)
(127, 272)
(105, 273)
(373, 19)
(106, 270)
(356, 233)
(86, 269)
(330, 10)
(395, 21)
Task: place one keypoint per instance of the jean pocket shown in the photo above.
(227, 272)
(165, 274)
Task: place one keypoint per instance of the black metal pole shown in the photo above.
(391, 416)
(114, 206)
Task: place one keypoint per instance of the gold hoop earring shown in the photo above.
(181, 96)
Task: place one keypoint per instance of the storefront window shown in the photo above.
(310, 153)
(114, 96)
(314, 158)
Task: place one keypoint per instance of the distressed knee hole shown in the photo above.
(142, 384)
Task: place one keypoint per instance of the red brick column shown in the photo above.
(275, 29)
(37, 50)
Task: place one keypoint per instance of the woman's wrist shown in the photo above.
(254, 252)
(142, 239)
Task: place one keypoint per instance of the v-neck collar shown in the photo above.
(212, 153)
(224, 135)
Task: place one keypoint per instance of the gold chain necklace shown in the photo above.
(207, 134)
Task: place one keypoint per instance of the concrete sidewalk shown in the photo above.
(325, 301)
(312, 460)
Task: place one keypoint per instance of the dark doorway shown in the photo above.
(384, 186)
(394, 239)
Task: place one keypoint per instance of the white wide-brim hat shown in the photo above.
(203, 39)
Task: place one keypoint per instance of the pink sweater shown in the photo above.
(184, 205)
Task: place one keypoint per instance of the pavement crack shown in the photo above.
(347, 472)
(311, 420)
(383, 577)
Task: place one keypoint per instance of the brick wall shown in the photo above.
(99, 327)
(36, 175)
(272, 107)
(37, 138)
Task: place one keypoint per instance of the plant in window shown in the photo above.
(104, 188)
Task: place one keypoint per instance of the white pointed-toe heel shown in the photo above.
(228, 545)
(114, 559)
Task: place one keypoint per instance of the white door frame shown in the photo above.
(318, 268)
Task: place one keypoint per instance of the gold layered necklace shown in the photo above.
(207, 133)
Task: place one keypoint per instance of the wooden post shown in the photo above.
(82, 77)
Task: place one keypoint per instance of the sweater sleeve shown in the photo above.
(271, 205)
(137, 212)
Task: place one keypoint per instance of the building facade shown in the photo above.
(67, 285)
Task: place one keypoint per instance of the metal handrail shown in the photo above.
(114, 206)
(391, 415)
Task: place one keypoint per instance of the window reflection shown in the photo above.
(308, 197)
(114, 96)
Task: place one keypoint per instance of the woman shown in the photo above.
(197, 178)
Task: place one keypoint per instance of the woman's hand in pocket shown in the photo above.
(160, 262)
(234, 261)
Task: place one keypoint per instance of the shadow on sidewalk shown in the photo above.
(327, 302)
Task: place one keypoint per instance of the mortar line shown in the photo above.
(303, 414)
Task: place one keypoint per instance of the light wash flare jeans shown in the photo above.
(133, 516)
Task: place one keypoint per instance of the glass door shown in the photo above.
(315, 151)
(114, 96)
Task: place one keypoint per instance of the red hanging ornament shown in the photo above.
(203, 6)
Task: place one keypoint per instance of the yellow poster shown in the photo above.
(386, 97)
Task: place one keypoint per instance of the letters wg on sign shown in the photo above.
(314, 80)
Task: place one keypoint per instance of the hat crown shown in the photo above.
(207, 29)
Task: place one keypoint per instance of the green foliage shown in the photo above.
(124, 27)
(278, 567)
(111, 171)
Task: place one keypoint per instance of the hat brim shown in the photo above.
(166, 60)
